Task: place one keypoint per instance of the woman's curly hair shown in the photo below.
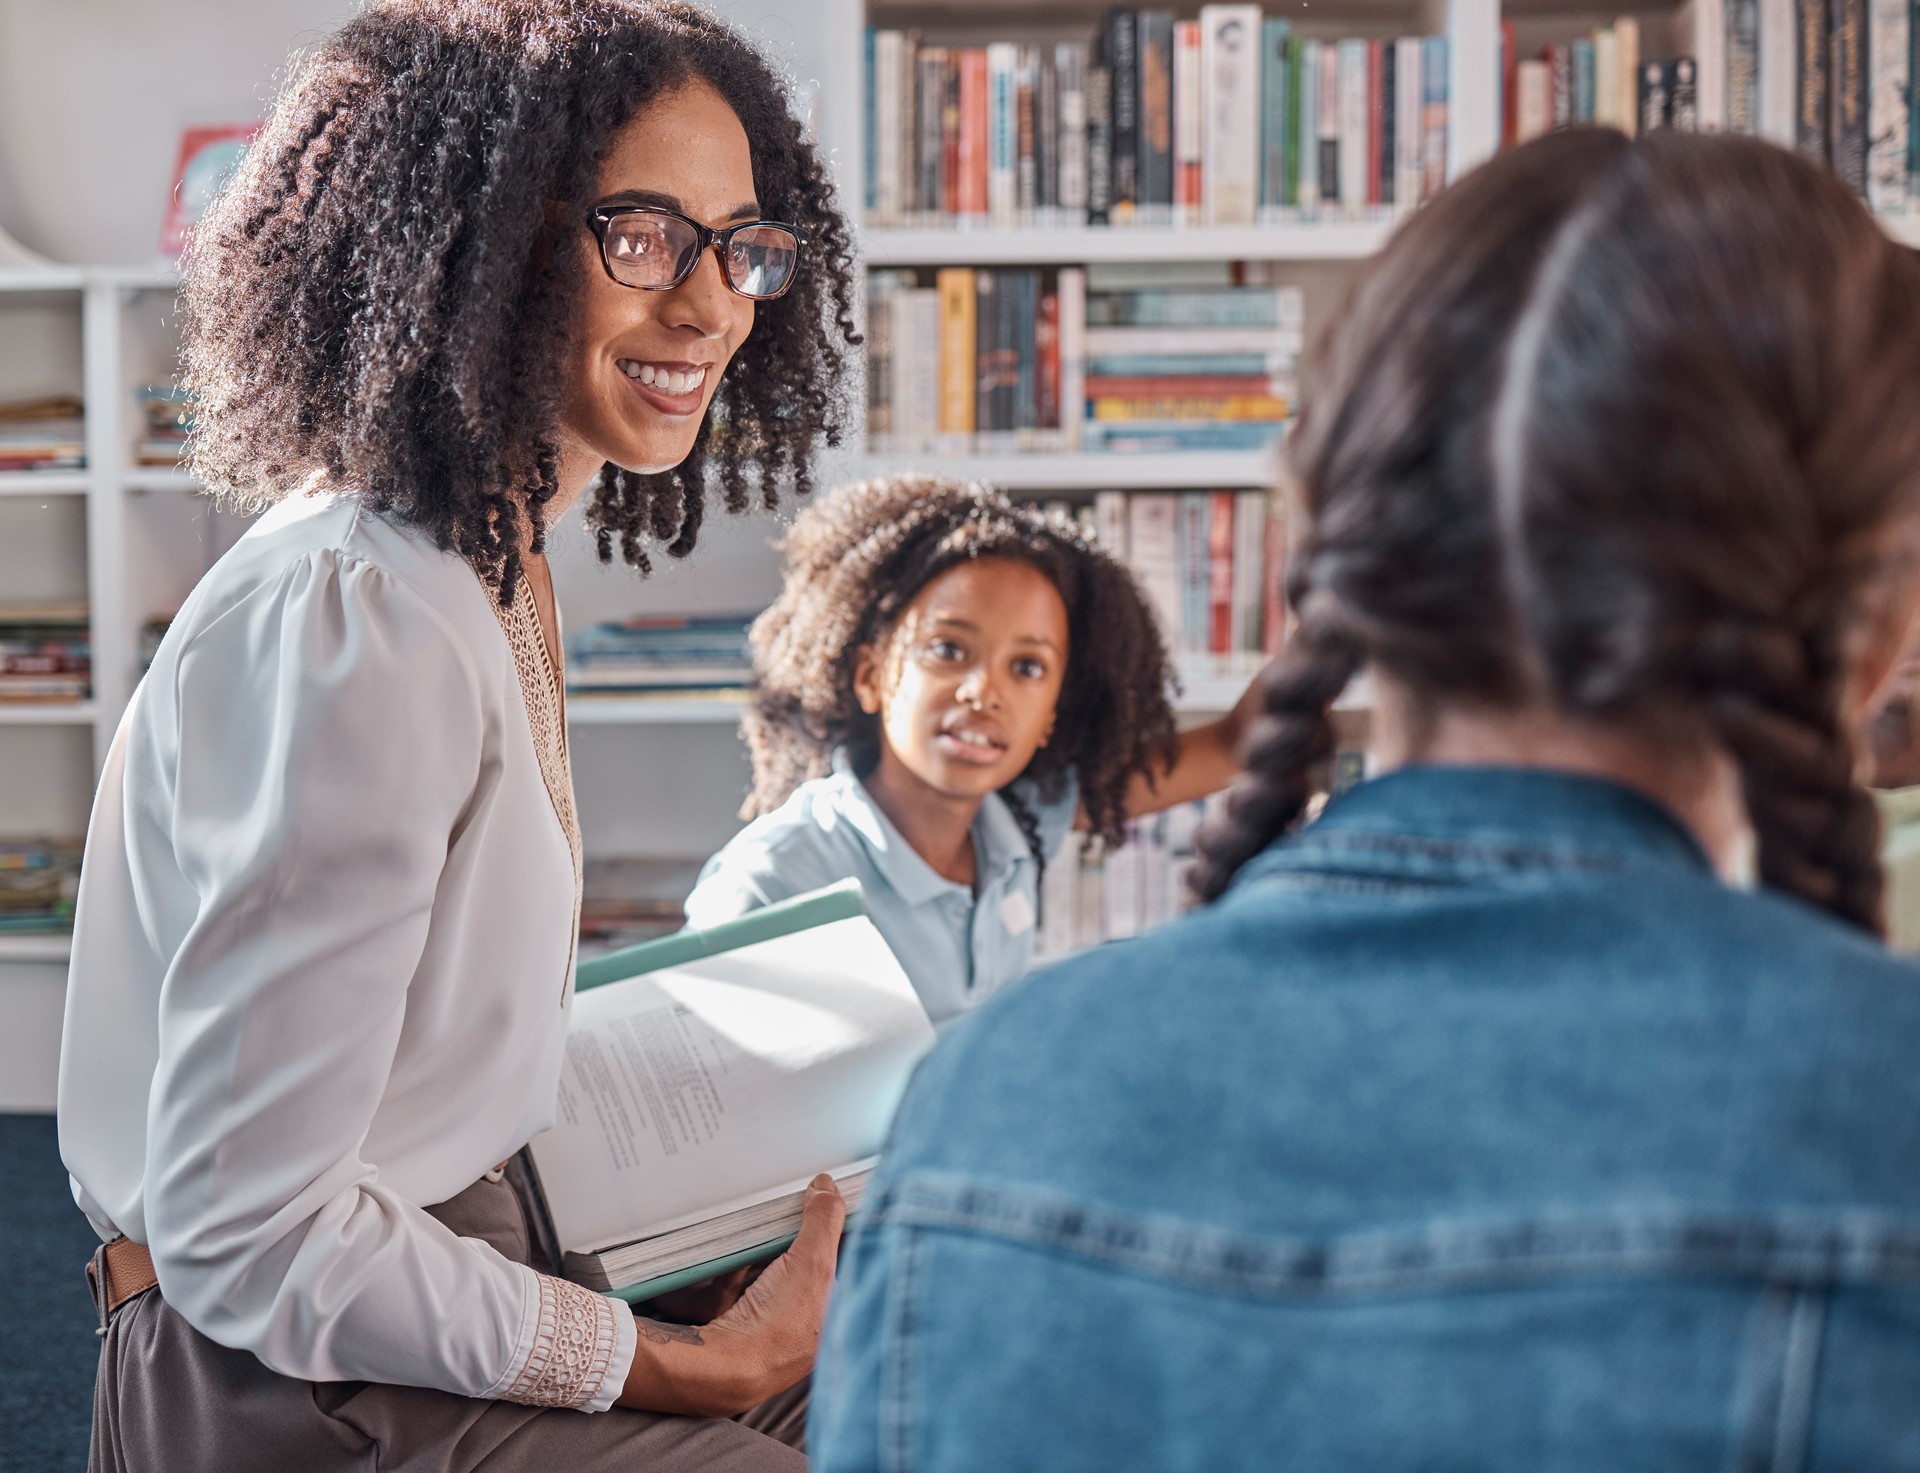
(380, 295)
(860, 557)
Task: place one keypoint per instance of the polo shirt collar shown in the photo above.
(998, 842)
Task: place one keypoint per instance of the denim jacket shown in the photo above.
(1479, 1127)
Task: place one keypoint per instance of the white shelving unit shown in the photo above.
(655, 777)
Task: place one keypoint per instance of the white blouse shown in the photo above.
(322, 966)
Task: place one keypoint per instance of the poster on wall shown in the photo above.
(208, 157)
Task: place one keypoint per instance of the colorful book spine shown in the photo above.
(1355, 155)
(886, 126)
(1779, 70)
(1435, 137)
(1072, 289)
(1003, 138)
(1070, 62)
(1848, 78)
(1196, 574)
(1889, 47)
(1656, 95)
(1099, 103)
(1743, 64)
(1583, 79)
(1154, 38)
(1330, 177)
(1626, 32)
(1026, 164)
(974, 146)
(1230, 63)
(1123, 57)
(1383, 59)
(1812, 106)
(1684, 94)
(1220, 559)
(1275, 105)
(1407, 123)
(958, 333)
(1188, 118)
(1307, 130)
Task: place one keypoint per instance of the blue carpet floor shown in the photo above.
(47, 1344)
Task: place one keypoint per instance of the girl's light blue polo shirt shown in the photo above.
(955, 947)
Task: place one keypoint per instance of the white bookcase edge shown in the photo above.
(36, 946)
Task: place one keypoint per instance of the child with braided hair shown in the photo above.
(1547, 1100)
(947, 684)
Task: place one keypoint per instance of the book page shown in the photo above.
(702, 1084)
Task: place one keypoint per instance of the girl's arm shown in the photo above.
(1205, 762)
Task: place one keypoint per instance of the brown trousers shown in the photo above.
(169, 1400)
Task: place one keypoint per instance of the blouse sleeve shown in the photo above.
(328, 735)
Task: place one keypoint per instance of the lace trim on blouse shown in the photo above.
(573, 1347)
(541, 693)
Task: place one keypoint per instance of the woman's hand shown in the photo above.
(762, 1345)
(701, 1303)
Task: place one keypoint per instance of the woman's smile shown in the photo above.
(670, 388)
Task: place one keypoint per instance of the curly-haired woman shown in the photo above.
(486, 258)
(1548, 1102)
(946, 685)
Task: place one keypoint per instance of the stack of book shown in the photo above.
(1210, 562)
(1228, 119)
(45, 652)
(1110, 357)
(42, 435)
(1190, 368)
(163, 409)
(631, 899)
(661, 657)
(38, 880)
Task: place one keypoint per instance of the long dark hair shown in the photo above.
(379, 295)
(1623, 428)
(856, 560)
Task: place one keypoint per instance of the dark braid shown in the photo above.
(1029, 823)
(1661, 403)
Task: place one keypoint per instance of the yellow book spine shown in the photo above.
(957, 329)
(1230, 407)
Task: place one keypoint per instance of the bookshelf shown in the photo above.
(656, 778)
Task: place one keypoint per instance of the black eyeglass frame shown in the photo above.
(601, 218)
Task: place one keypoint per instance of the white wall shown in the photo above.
(94, 95)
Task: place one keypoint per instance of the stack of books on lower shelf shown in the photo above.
(167, 421)
(631, 899)
(38, 880)
(667, 657)
(46, 434)
(46, 653)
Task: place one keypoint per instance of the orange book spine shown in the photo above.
(958, 327)
(971, 147)
(1220, 574)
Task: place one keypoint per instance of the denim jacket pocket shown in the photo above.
(1783, 1267)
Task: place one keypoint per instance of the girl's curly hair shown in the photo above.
(380, 295)
(859, 558)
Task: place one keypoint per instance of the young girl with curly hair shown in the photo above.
(946, 685)
(487, 258)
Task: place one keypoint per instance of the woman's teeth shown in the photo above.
(666, 380)
(975, 740)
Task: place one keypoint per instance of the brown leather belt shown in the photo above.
(121, 1270)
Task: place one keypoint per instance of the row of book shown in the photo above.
(1188, 357)
(1091, 894)
(1210, 562)
(38, 881)
(46, 652)
(1227, 119)
(1598, 78)
(42, 434)
(661, 656)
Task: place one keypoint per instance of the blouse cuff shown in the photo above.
(577, 1347)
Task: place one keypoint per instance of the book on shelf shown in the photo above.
(39, 878)
(1210, 564)
(1091, 894)
(1153, 119)
(46, 652)
(708, 1077)
(42, 434)
(991, 360)
(661, 656)
(627, 899)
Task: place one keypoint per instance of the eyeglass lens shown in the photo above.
(649, 250)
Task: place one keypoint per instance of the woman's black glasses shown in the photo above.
(650, 248)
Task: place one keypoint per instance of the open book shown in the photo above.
(709, 1076)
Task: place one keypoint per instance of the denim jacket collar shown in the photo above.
(1455, 822)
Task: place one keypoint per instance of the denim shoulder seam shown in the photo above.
(1814, 1249)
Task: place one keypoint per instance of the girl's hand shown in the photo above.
(758, 1348)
